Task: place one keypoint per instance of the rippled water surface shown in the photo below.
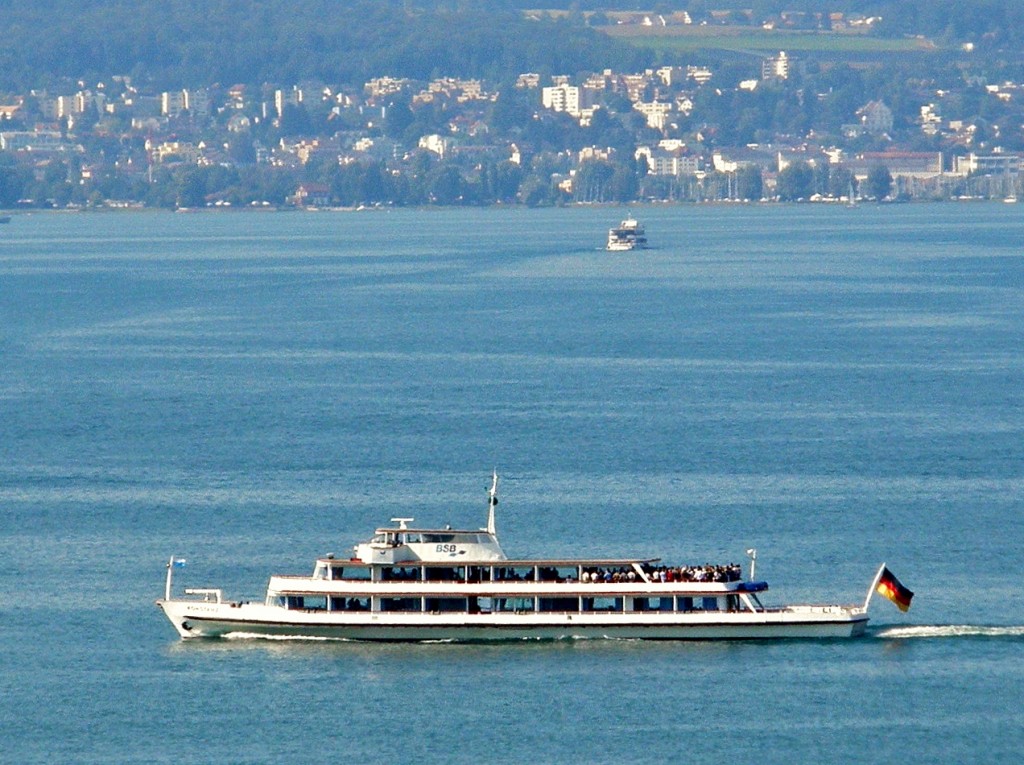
(835, 387)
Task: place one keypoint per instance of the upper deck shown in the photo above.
(426, 559)
(470, 556)
(524, 586)
(404, 543)
(591, 573)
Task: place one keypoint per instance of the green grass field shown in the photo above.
(680, 39)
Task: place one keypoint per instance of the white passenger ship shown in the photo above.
(628, 235)
(411, 584)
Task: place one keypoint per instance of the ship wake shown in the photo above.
(950, 631)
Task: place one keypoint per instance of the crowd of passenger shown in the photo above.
(707, 573)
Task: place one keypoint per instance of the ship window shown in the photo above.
(518, 605)
(446, 604)
(567, 573)
(558, 604)
(436, 538)
(710, 604)
(556, 573)
(602, 604)
(352, 572)
(412, 539)
(514, 574)
(314, 603)
(320, 572)
(652, 604)
(685, 603)
(399, 574)
(399, 604)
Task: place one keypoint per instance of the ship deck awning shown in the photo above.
(509, 563)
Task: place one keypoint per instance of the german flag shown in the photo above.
(889, 586)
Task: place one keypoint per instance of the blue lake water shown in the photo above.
(835, 387)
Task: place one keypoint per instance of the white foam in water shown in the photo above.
(949, 630)
(287, 638)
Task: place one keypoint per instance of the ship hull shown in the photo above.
(209, 620)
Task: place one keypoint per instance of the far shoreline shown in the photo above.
(16, 212)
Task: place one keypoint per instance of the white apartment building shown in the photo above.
(564, 98)
(875, 117)
(37, 141)
(989, 164)
(174, 103)
(181, 151)
(283, 98)
(776, 67)
(656, 112)
(671, 76)
(435, 143)
(382, 86)
(665, 162)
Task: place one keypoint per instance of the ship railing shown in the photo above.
(209, 595)
(807, 608)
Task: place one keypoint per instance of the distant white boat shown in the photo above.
(628, 235)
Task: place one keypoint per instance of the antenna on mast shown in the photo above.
(492, 501)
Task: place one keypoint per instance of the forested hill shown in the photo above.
(188, 43)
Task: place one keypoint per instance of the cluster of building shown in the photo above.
(139, 131)
(664, 95)
(195, 126)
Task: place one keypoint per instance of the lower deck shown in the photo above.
(193, 619)
(539, 604)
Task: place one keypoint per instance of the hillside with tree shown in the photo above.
(174, 43)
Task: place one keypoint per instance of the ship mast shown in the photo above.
(492, 501)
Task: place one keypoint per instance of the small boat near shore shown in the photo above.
(416, 583)
(628, 235)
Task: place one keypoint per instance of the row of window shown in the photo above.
(471, 574)
(475, 605)
(417, 537)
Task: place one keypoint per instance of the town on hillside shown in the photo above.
(774, 127)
